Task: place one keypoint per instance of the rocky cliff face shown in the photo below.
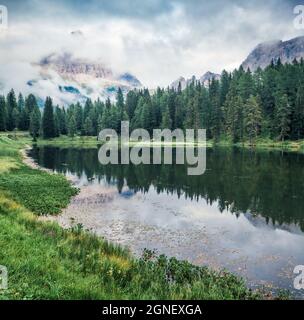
(208, 76)
(68, 67)
(204, 80)
(287, 51)
(71, 80)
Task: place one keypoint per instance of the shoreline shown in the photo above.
(87, 193)
(92, 201)
(261, 144)
(231, 282)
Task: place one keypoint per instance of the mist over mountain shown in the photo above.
(261, 56)
(79, 79)
(264, 53)
(69, 79)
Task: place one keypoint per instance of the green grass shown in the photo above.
(264, 143)
(260, 143)
(37, 190)
(83, 142)
(45, 261)
(65, 141)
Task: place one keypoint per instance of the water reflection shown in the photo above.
(244, 214)
(267, 184)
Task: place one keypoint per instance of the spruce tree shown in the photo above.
(298, 116)
(253, 118)
(283, 112)
(225, 84)
(11, 105)
(29, 105)
(3, 114)
(78, 116)
(35, 122)
(88, 126)
(234, 116)
(99, 124)
(15, 118)
(71, 126)
(131, 103)
(48, 125)
(20, 103)
(216, 116)
(166, 120)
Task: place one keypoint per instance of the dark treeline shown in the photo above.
(242, 105)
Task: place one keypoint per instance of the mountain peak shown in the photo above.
(208, 76)
(68, 66)
(74, 79)
(265, 52)
(204, 80)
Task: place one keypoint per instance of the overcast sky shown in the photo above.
(157, 41)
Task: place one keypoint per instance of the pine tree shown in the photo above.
(78, 116)
(58, 121)
(253, 118)
(35, 122)
(179, 113)
(225, 84)
(120, 100)
(88, 126)
(105, 119)
(283, 112)
(246, 85)
(48, 125)
(20, 103)
(99, 124)
(268, 89)
(15, 119)
(11, 105)
(63, 122)
(166, 120)
(72, 126)
(206, 110)
(3, 114)
(131, 103)
(56, 125)
(87, 108)
(216, 115)
(298, 116)
(29, 105)
(234, 116)
(94, 117)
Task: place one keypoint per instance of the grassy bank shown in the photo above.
(45, 261)
(265, 144)
(65, 141)
(261, 143)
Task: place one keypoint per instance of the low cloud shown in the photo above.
(157, 41)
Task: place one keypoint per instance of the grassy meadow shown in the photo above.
(45, 261)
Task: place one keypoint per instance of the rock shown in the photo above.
(204, 80)
(265, 52)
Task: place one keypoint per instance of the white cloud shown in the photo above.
(157, 49)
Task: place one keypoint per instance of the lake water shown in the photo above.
(245, 214)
